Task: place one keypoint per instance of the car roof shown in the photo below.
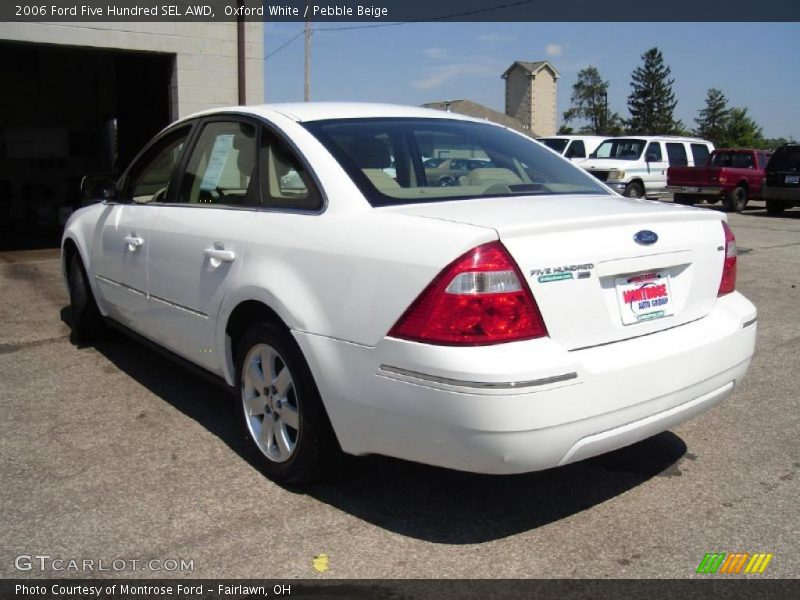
(319, 111)
(668, 138)
(573, 137)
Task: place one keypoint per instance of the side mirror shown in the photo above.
(593, 155)
(651, 158)
(98, 188)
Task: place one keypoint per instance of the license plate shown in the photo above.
(691, 190)
(643, 297)
(793, 179)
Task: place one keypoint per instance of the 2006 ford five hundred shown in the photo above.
(362, 296)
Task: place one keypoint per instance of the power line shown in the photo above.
(397, 24)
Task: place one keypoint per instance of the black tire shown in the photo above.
(88, 324)
(736, 199)
(684, 199)
(634, 190)
(315, 452)
(775, 208)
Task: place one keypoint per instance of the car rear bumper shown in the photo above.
(695, 190)
(788, 195)
(527, 406)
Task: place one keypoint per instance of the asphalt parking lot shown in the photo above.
(113, 452)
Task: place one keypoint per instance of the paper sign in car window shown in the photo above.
(217, 161)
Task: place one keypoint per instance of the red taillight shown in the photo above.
(728, 282)
(480, 298)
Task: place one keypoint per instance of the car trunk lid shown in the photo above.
(593, 282)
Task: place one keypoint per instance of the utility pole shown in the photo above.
(307, 88)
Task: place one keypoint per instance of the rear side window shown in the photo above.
(676, 152)
(285, 182)
(700, 154)
(742, 161)
(576, 150)
(786, 158)
(555, 144)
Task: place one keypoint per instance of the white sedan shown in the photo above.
(521, 318)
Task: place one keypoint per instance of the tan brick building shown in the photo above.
(531, 95)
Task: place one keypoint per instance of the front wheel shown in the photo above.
(634, 190)
(282, 412)
(88, 324)
(735, 200)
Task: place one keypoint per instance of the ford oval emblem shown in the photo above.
(645, 237)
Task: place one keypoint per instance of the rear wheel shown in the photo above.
(736, 199)
(282, 412)
(88, 324)
(682, 199)
(775, 207)
(634, 190)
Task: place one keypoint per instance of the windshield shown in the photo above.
(620, 149)
(555, 144)
(470, 160)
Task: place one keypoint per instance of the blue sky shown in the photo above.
(754, 64)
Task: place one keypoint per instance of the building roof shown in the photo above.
(531, 67)
(479, 111)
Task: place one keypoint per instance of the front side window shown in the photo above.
(222, 166)
(148, 179)
(445, 159)
(676, 153)
(654, 152)
(620, 149)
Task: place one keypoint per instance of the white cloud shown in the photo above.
(495, 37)
(439, 75)
(554, 49)
(435, 52)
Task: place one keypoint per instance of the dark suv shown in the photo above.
(782, 179)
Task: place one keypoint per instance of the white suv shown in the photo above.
(574, 147)
(636, 166)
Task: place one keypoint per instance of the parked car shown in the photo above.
(782, 179)
(446, 171)
(636, 166)
(574, 147)
(731, 175)
(526, 319)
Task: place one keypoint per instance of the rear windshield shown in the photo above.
(620, 149)
(403, 161)
(555, 144)
(736, 160)
(786, 158)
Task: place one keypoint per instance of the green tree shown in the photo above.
(651, 101)
(589, 101)
(741, 131)
(712, 121)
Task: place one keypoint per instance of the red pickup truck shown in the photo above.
(731, 175)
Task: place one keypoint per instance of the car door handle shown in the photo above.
(134, 242)
(220, 255)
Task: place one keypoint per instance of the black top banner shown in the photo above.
(387, 11)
